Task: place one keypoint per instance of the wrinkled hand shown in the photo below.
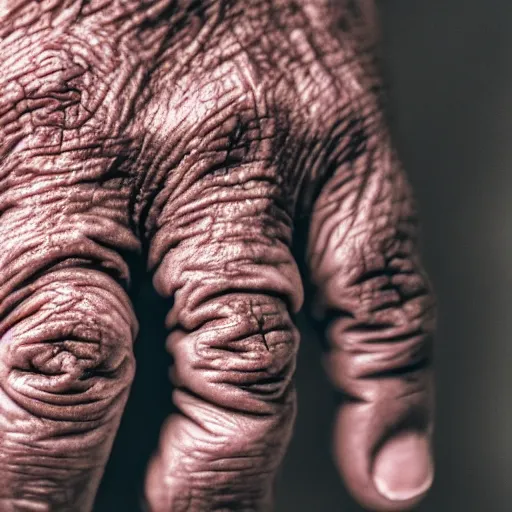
(199, 138)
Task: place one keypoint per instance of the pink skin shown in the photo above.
(199, 135)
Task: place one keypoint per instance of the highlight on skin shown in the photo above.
(238, 152)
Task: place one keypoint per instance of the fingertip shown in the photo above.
(403, 468)
(385, 469)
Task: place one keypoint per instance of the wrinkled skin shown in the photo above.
(239, 151)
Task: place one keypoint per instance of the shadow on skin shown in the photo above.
(148, 406)
(308, 479)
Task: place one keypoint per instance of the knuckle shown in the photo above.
(66, 349)
(384, 316)
(382, 346)
(243, 355)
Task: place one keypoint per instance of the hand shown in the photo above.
(199, 139)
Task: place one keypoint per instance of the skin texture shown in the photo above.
(239, 152)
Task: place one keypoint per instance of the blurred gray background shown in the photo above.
(449, 67)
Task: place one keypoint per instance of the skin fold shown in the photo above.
(238, 151)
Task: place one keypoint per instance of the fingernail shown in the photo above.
(403, 468)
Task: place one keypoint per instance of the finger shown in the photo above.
(372, 294)
(66, 323)
(68, 139)
(66, 360)
(222, 251)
